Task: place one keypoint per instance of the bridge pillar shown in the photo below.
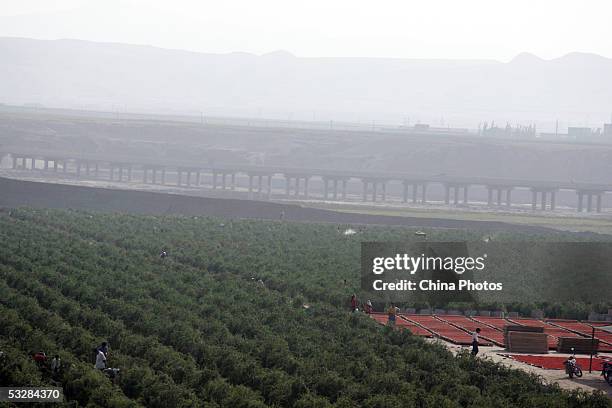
(78, 168)
(344, 182)
(456, 195)
(33, 163)
(145, 176)
(508, 197)
(297, 186)
(163, 176)
(287, 186)
(405, 192)
(154, 175)
(580, 200)
(260, 186)
(553, 201)
(415, 190)
(269, 189)
(65, 166)
(233, 181)
(599, 196)
(490, 196)
(424, 187)
(198, 178)
(335, 194)
(96, 170)
(46, 164)
(447, 194)
(179, 178)
(325, 187)
(499, 197)
(543, 200)
(188, 178)
(374, 188)
(111, 172)
(250, 186)
(214, 180)
(384, 190)
(129, 171)
(365, 190)
(14, 162)
(589, 202)
(534, 200)
(306, 187)
(465, 195)
(121, 173)
(88, 169)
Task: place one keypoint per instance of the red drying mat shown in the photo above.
(555, 362)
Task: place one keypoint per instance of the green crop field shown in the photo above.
(221, 321)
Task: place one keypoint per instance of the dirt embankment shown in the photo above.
(17, 193)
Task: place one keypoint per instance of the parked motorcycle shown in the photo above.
(607, 372)
(571, 366)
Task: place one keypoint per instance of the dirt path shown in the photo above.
(589, 382)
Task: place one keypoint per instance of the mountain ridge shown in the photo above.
(83, 74)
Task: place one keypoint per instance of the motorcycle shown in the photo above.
(571, 367)
(607, 372)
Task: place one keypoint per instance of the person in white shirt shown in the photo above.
(100, 360)
(56, 364)
(475, 341)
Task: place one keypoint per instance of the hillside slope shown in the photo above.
(75, 73)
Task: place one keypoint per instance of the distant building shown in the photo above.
(607, 129)
(579, 133)
(421, 126)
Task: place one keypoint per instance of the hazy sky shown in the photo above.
(497, 29)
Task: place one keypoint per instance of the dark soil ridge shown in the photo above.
(18, 193)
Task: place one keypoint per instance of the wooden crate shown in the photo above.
(527, 342)
(581, 345)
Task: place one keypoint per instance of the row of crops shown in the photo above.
(221, 321)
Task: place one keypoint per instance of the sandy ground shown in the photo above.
(589, 382)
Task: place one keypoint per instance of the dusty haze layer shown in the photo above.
(576, 89)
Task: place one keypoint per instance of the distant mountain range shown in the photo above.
(576, 88)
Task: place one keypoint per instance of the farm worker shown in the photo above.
(56, 363)
(392, 311)
(40, 357)
(475, 341)
(368, 307)
(103, 348)
(353, 302)
(163, 254)
(100, 360)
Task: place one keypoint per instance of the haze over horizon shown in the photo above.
(575, 89)
(440, 62)
(437, 29)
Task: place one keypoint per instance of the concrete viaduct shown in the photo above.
(297, 180)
